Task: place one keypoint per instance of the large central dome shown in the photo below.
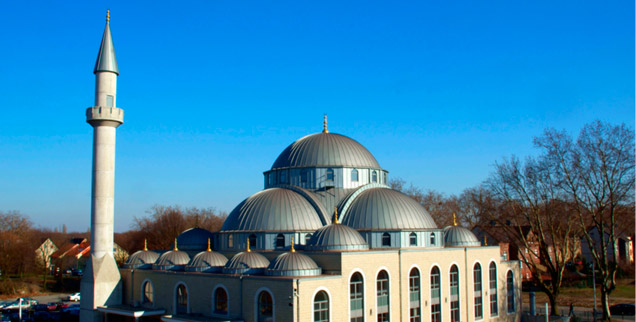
(325, 150)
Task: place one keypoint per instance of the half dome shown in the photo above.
(456, 236)
(174, 260)
(325, 150)
(274, 209)
(207, 261)
(293, 264)
(246, 263)
(194, 239)
(386, 209)
(336, 237)
(141, 259)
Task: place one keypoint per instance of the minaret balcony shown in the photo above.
(105, 115)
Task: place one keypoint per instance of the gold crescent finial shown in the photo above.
(324, 130)
(107, 15)
(175, 245)
(485, 241)
(335, 219)
(145, 244)
(293, 250)
(248, 245)
(209, 249)
(454, 219)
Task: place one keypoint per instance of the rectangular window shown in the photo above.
(110, 101)
(477, 294)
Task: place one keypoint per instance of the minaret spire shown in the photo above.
(454, 219)
(335, 217)
(106, 60)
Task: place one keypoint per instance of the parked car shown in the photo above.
(623, 309)
(40, 307)
(74, 297)
(52, 306)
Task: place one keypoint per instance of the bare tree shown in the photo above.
(165, 223)
(15, 237)
(597, 174)
(529, 198)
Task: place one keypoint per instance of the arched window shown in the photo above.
(252, 240)
(330, 174)
(354, 175)
(280, 241)
(265, 307)
(220, 301)
(374, 176)
(415, 313)
(432, 239)
(149, 296)
(510, 292)
(182, 299)
(454, 288)
(356, 298)
(321, 307)
(307, 238)
(230, 240)
(386, 240)
(494, 306)
(477, 291)
(436, 294)
(382, 295)
(413, 239)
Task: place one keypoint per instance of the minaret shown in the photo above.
(101, 281)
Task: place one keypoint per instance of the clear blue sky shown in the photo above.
(215, 90)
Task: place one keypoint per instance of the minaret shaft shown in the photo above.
(103, 191)
(105, 89)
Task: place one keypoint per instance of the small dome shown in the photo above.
(194, 239)
(206, 261)
(336, 237)
(274, 209)
(325, 150)
(173, 260)
(142, 259)
(293, 264)
(456, 236)
(246, 263)
(386, 209)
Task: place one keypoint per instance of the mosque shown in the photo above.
(326, 240)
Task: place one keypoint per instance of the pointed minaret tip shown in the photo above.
(175, 245)
(209, 249)
(454, 219)
(145, 244)
(324, 125)
(106, 60)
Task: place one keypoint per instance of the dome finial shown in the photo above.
(145, 244)
(485, 241)
(293, 250)
(209, 249)
(335, 219)
(454, 219)
(248, 246)
(107, 16)
(175, 245)
(324, 130)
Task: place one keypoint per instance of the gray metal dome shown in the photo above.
(325, 150)
(141, 259)
(456, 236)
(386, 209)
(207, 261)
(336, 237)
(194, 239)
(246, 263)
(293, 264)
(174, 260)
(274, 209)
